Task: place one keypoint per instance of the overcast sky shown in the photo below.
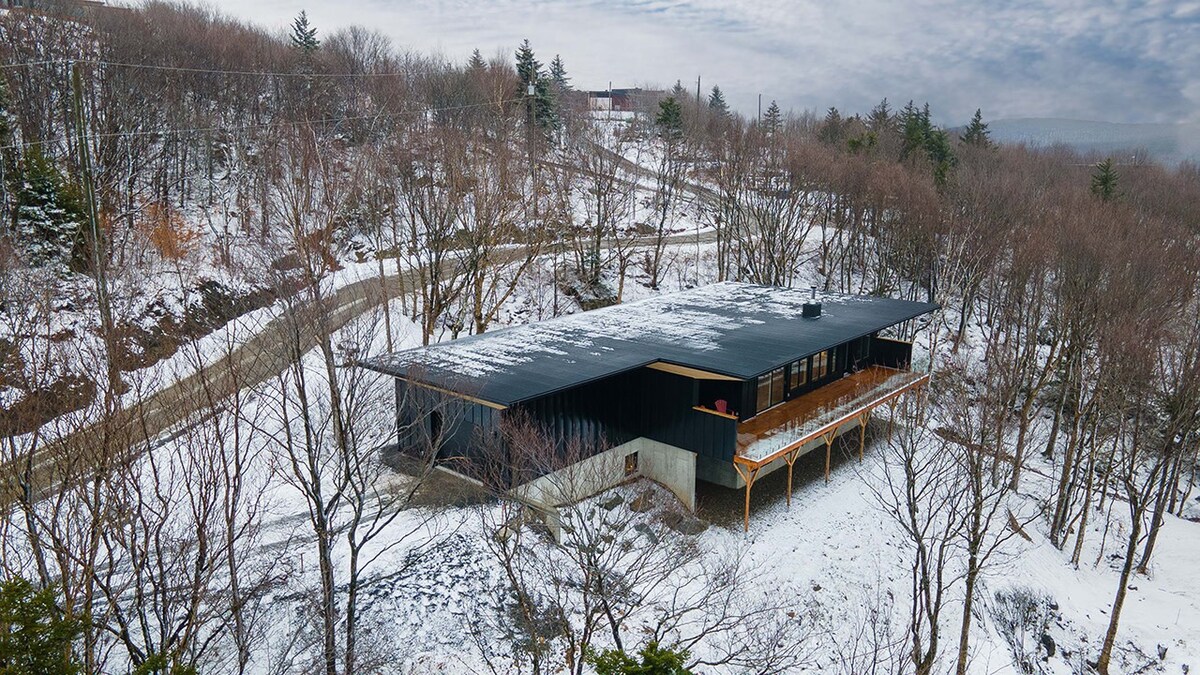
(1084, 59)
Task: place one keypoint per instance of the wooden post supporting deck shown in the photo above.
(828, 438)
(748, 475)
(862, 433)
(790, 458)
(750, 468)
(891, 416)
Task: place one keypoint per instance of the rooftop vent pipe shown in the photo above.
(811, 309)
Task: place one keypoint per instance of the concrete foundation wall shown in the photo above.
(674, 467)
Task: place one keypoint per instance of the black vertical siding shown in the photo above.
(891, 353)
(668, 416)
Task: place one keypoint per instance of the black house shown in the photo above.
(721, 383)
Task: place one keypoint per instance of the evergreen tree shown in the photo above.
(558, 75)
(476, 64)
(305, 43)
(881, 119)
(716, 102)
(912, 128)
(652, 660)
(773, 119)
(863, 142)
(832, 128)
(678, 92)
(529, 69)
(941, 155)
(49, 213)
(1104, 181)
(977, 133)
(34, 636)
(529, 72)
(670, 118)
(922, 139)
(304, 36)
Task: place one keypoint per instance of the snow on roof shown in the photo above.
(735, 329)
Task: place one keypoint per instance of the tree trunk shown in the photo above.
(964, 636)
(1110, 637)
(1165, 485)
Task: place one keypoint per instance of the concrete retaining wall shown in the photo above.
(674, 467)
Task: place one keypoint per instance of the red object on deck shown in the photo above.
(722, 405)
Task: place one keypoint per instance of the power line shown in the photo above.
(263, 125)
(33, 63)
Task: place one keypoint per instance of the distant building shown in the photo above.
(624, 100)
(723, 383)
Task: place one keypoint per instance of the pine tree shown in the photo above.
(476, 64)
(773, 119)
(49, 213)
(304, 36)
(558, 75)
(1104, 181)
(529, 72)
(34, 635)
(941, 155)
(678, 92)
(305, 43)
(652, 660)
(716, 102)
(912, 128)
(881, 119)
(832, 128)
(977, 133)
(670, 118)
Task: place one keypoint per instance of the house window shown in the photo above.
(631, 463)
(820, 365)
(770, 389)
(798, 374)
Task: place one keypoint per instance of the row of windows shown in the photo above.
(770, 386)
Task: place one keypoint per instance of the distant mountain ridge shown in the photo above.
(1168, 143)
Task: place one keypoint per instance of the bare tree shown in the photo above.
(922, 492)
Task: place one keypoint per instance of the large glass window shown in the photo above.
(770, 389)
(798, 374)
(777, 386)
(764, 393)
(821, 365)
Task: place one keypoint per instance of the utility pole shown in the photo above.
(697, 91)
(97, 235)
(760, 108)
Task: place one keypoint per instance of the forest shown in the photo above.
(204, 224)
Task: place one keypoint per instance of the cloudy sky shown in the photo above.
(1085, 59)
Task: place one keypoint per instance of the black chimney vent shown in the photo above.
(811, 309)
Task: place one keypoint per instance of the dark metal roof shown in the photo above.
(734, 329)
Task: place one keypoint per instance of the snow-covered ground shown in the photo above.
(833, 558)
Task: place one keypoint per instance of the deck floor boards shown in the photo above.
(812, 404)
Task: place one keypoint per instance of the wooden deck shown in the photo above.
(819, 414)
(812, 404)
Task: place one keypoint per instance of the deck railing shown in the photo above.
(865, 396)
